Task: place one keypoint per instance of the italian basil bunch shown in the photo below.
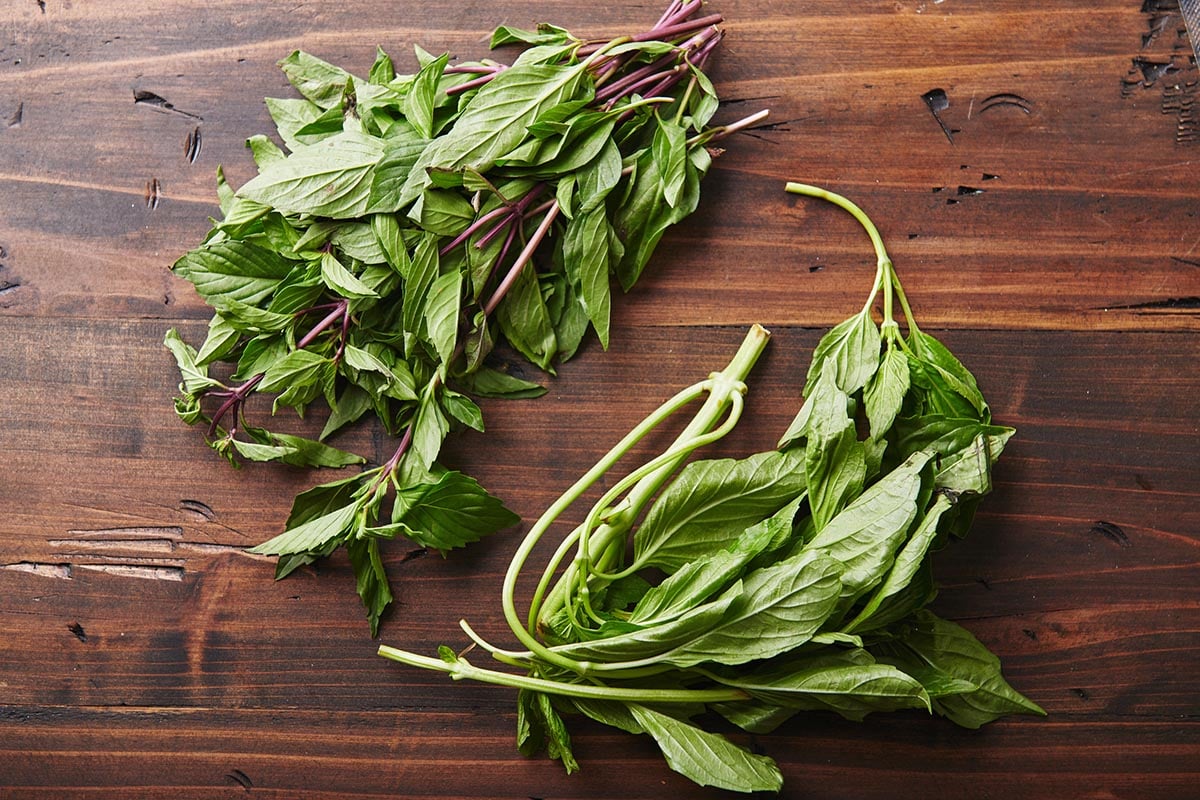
(412, 222)
(796, 579)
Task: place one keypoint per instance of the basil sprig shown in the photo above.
(795, 579)
(414, 221)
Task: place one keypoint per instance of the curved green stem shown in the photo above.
(460, 668)
(720, 386)
(885, 274)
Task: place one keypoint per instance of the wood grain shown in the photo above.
(1051, 243)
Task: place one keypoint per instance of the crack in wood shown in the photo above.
(144, 97)
(57, 571)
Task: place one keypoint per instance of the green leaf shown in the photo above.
(698, 580)
(904, 569)
(487, 382)
(865, 536)
(372, 580)
(401, 150)
(331, 178)
(429, 428)
(292, 115)
(835, 464)
(297, 367)
(525, 321)
(265, 151)
(450, 513)
(195, 378)
(397, 383)
(885, 392)
(540, 726)
(424, 270)
(711, 503)
(312, 534)
(653, 643)
(494, 121)
(586, 257)
(948, 370)
(233, 270)
(706, 758)
(221, 341)
(311, 453)
(388, 233)
(441, 314)
(249, 318)
(670, 152)
(422, 96)
(351, 405)
(850, 350)
(545, 34)
(952, 649)
(318, 80)
(778, 608)
(382, 71)
(462, 409)
(341, 280)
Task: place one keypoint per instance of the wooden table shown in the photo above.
(1044, 223)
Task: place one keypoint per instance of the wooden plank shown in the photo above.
(1056, 190)
(1048, 238)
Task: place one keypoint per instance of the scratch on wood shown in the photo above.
(1112, 532)
(200, 509)
(136, 532)
(240, 778)
(191, 146)
(58, 571)
(156, 573)
(143, 97)
(153, 193)
(78, 630)
(1169, 304)
(18, 116)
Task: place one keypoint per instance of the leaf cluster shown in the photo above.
(792, 580)
(409, 223)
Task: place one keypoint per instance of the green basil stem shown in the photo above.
(460, 668)
(886, 273)
(720, 387)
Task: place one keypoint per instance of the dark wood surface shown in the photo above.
(145, 654)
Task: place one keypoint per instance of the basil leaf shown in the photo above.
(670, 154)
(885, 392)
(525, 321)
(452, 512)
(233, 270)
(422, 96)
(775, 610)
(310, 535)
(372, 580)
(494, 120)
(951, 649)
(441, 314)
(487, 382)
(851, 349)
(319, 81)
(904, 569)
(711, 503)
(195, 378)
(331, 178)
(586, 257)
(865, 536)
(706, 758)
(948, 370)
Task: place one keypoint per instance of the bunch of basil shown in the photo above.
(795, 579)
(415, 220)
